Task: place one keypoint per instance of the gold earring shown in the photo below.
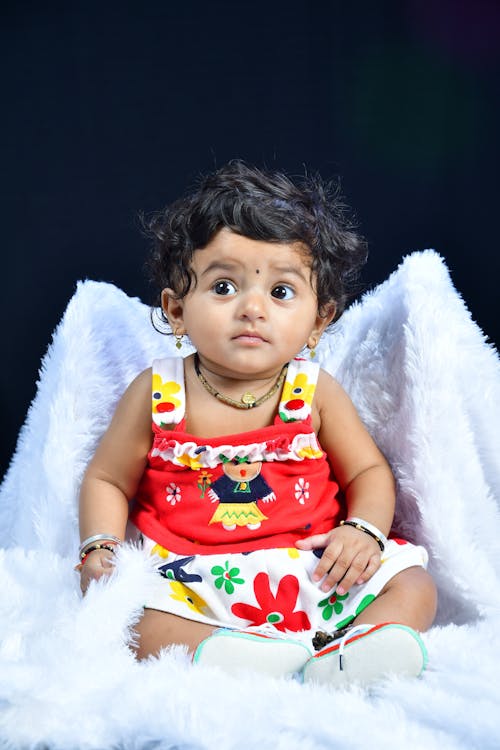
(178, 339)
(312, 349)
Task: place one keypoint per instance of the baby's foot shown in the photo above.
(367, 653)
(233, 650)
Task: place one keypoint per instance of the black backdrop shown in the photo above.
(110, 109)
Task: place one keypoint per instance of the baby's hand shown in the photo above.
(350, 557)
(98, 563)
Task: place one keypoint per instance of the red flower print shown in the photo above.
(276, 610)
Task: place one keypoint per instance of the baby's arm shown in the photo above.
(366, 480)
(113, 474)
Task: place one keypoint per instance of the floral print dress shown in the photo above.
(221, 516)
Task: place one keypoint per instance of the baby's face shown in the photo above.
(253, 306)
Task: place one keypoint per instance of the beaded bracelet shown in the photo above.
(108, 538)
(371, 527)
(110, 547)
(368, 528)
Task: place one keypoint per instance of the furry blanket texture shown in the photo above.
(426, 384)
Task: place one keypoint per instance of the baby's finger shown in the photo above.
(352, 572)
(94, 569)
(330, 564)
(84, 582)
(317, 541)
(345, 573)
(373, 565)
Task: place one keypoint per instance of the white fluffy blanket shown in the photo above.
(428, 387)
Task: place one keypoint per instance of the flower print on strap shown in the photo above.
(168, 395)
(298, 390)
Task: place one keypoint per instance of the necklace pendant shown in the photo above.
(248, 399)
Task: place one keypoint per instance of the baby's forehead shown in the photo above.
(228, 247)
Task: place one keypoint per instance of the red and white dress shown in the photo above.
(222, 516)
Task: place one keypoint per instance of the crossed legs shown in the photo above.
(408, 598)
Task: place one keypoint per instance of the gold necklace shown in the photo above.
(248, 400)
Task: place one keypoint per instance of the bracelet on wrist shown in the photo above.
(367, 528)
(104, 538)
(83, 559)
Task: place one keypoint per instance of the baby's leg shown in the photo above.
(232, 651)
(366, 655)
(409, 598)
(156, 630)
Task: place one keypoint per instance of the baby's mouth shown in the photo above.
(250, 336)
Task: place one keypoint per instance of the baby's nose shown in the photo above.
(253, 305)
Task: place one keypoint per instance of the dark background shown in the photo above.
(115, 108)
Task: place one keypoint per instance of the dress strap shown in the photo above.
(298, 391)
(168, 392)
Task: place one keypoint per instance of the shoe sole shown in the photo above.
(368, 657)
(235, 651)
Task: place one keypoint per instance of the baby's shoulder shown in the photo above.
(133, 410)
(329, 392)
(143, 379)
(327, 380)
(140, 388)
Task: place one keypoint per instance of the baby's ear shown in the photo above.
(326, 314)
(173, 309)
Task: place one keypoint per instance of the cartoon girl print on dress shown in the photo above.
(238, 491)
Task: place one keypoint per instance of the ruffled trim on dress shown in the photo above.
(196, 456)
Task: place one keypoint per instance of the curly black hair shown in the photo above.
(262, 205)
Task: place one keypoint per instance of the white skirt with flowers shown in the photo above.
(271, 587)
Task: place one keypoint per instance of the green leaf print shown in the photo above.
(368, 599)
(285, 418)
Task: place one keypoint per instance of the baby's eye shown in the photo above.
(224, 288)
(282, 291)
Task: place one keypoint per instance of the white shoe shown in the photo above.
(234, 650)
(367, 653)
